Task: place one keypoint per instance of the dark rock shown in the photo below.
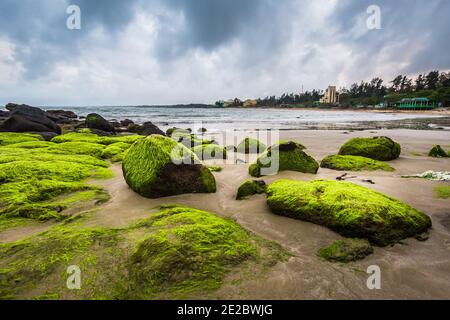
(48, 136)
(146, 129)
(24, 118)
(11, 106)
(126, 122)
(115, 124)
(149, 129)
(61, 114)
(134, 128)
(4, 114)
(96, 121)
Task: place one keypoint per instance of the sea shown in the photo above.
(221, 119)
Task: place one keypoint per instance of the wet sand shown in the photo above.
(412, 270)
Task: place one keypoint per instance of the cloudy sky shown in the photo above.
(182, 51)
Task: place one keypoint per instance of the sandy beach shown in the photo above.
(410, 270)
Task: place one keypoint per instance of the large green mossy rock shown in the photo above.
(437, 152)
(251, 145)
(346, 250)
(349, 209)
(284, 156)
(8, 138)
(377, 148)
(40, 179)
(158, 166)
(353, 163)
(175, 252)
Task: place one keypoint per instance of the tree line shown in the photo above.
(434, 85)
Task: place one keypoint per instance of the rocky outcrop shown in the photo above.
(377, 148)
(96, 121)
(24, 118)
(158, 167)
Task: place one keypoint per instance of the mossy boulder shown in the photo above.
(346, 250)
(284, 156)
(249, 188)
(176, 252)
(437, 152)
(349, 209)
(210, 151)
(251, 145)
(158, 166)
(377, 148)
(189, 249)
(8, 138)
(354, 163)
(41, 181)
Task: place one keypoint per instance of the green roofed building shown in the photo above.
(415, 104)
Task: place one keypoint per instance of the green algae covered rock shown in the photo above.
(8, 138)
(249, 188)
(42, 181)
(353, 163)
(210, 151)
(158, 166)
(377, 148)
(284, 156)
(437, 152)
(176, 252)
(115, 151)
(189, 250)
(346, 250)
(251, 145)
(86, 135)
(349, 209)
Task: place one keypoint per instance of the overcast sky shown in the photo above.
(182, 51)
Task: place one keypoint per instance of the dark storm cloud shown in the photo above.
(38, 28)
(211, 24)
(280, 40)
(417, 22)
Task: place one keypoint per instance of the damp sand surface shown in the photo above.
(410, 270)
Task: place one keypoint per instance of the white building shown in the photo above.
(330, 96)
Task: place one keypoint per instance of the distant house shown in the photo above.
(331, 96)
(415, 104)
(249, 103)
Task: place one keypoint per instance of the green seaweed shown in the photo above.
(174, 253)
(442, 191)
(346, 250)
(354, 163)
(215, 168)
(249, 188)
(438, 152)
(158, 166)
(349, 209)
(376, 148)
(283, 156)
(7, 138)
(41, 183)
